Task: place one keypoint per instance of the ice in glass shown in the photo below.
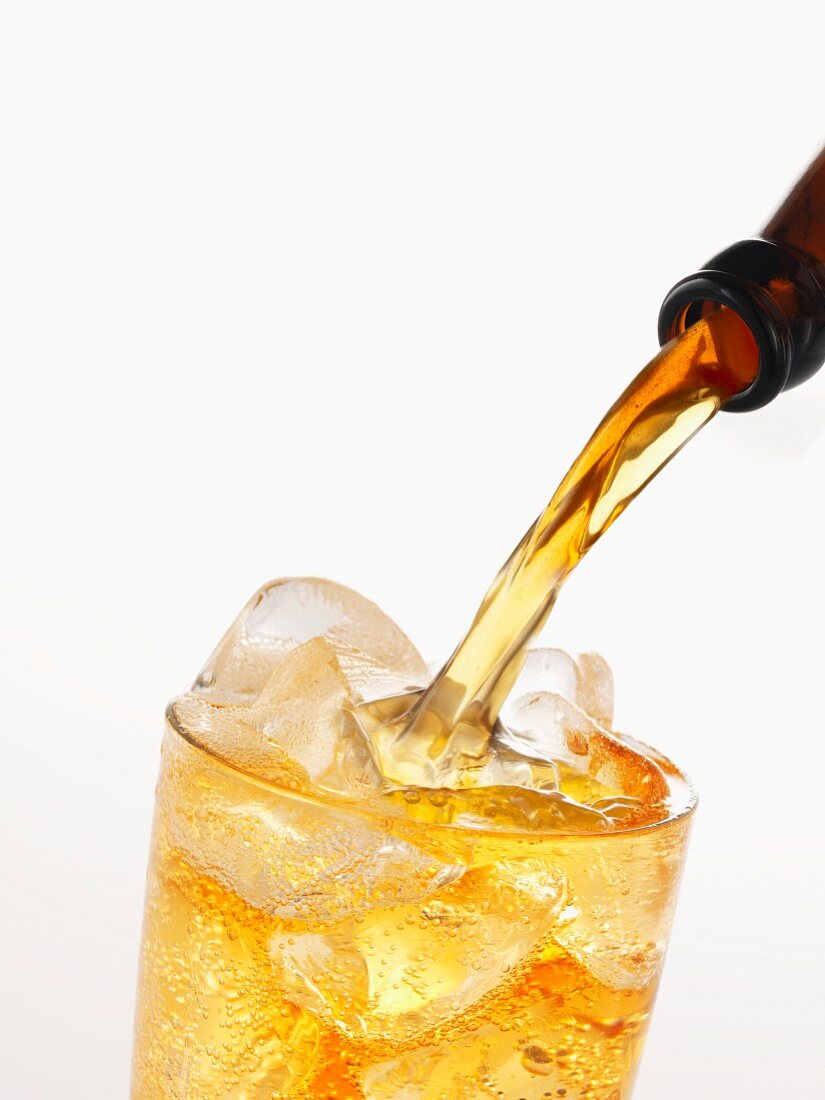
(316, 928)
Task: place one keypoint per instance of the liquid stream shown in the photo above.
(420, 738)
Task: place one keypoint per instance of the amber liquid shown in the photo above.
(666, 404)
(531, 974)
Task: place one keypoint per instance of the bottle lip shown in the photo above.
(756, 308)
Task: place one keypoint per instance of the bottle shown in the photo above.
(776, 283)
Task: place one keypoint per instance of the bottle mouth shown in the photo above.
(692, 298)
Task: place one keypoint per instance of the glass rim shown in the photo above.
(341, 803)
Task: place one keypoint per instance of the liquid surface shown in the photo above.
(297, 692)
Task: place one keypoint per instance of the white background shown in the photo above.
(341, 290)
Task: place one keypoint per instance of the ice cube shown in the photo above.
(397, 972)
(213, 1021)
(285, 614)
(300, 736)
(546, 726)
(620, 906)
(288, 856)
(299, 657)
(302, 707)
(547, 670)
(594, 687)
(539, 1052)
(476, 1065)
(226, 733)
(587, 681)
(299, 732)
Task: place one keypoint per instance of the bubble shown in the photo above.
(536, 1059)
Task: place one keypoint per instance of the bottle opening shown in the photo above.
(736, 344)
(757, 346)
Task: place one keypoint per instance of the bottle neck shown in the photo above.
(779, 291)
(799, 223)
(776, 282)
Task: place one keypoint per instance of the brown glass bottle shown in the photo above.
(776, 283)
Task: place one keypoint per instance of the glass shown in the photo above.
(296, 946)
